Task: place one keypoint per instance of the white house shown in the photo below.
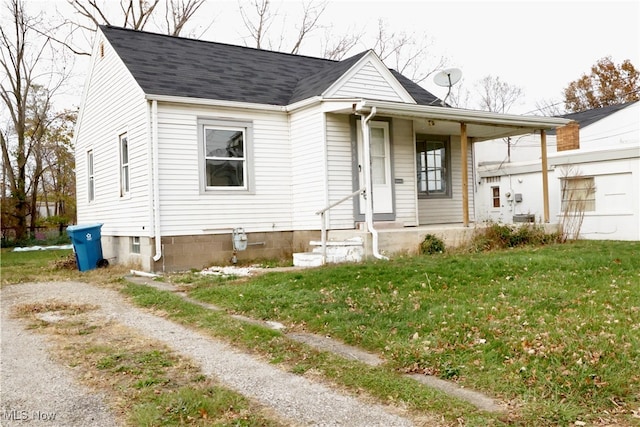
(182, 145)
(601, 162)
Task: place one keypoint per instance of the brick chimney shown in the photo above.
(568, 137)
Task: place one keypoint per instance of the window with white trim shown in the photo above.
(135, 244)
(124, 164)
(432, 162)
(90, 179)
(225, 154)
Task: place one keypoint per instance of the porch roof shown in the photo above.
(438, 120)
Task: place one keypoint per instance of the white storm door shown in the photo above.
(380, 167)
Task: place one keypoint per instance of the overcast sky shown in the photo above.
(539, 46)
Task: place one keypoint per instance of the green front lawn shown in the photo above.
(554, 330)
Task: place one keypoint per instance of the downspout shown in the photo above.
(368, 212)
(156, 180)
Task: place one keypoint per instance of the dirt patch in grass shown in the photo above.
(146, 383)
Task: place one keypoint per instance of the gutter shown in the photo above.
(461, 115)
(156, 180)
(367, 181)
(213, 102)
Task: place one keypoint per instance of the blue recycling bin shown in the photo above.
(87, 246)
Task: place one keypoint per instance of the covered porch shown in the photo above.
(462, 126)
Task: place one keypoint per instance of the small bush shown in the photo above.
(431, 245)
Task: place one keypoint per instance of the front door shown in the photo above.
(380, 167)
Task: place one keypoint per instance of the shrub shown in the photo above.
(431, 245)
(501, 236)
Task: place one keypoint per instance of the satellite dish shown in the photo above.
(447, 78)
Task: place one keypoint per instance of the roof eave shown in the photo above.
(461, 115)
(215, 102)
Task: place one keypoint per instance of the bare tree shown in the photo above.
(337, 48)
(259, 19)
(549, 107)
(407, 53)
(58, 174)
(257, 25)
(178, 13)
(311, 14)
(497, 96)
(460, 96)
(26, 91)
(134, 14)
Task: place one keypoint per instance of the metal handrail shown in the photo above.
(321, 212)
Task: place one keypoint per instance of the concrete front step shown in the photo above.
(337, 251)
(307, 259)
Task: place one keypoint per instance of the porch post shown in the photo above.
(465, 175)
(545, 175)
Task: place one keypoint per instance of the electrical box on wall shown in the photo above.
(518, 197)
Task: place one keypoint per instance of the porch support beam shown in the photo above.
(545, 175)
(465, 174)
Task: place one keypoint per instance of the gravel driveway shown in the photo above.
(35, 390)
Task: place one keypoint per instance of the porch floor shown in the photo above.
(406, 240)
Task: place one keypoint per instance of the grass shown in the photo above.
(554, 330)
(51, 265)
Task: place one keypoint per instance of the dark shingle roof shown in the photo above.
(175, 66)
(585, 118)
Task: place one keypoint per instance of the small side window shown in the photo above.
(135, 245)
(90, 179)
(495, 194)
(124, 165)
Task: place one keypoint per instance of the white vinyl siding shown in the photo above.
(449, 210)
(340, 170)
(114, 104)
(308, 168)
(186, 210)
(404, 168)
(368, 82)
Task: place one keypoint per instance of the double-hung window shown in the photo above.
(90, 182)
(225, 148)
(432, 162)
(124, 164)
